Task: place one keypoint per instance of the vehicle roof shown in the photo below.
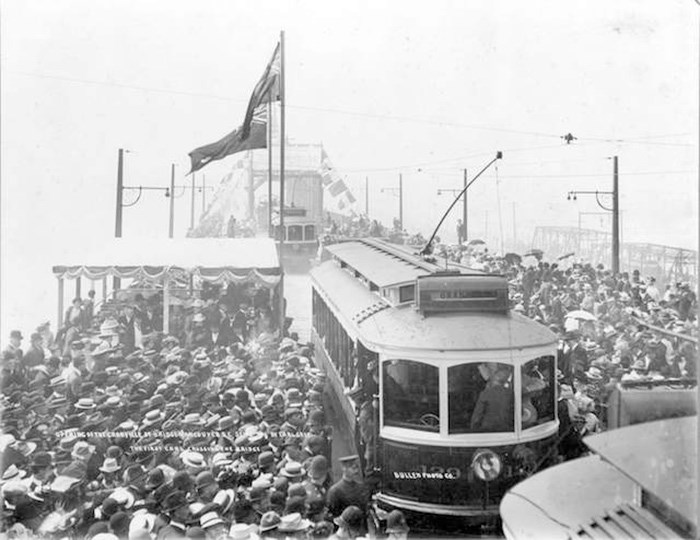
(573, 492)
(660, 456)
(405, 327)
(377, 266)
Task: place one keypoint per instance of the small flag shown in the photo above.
(337, 187)
(233, 142)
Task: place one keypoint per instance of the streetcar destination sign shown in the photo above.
(462, 292)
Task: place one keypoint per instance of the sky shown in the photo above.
(417, 88)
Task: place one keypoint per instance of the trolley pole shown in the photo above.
(171, 225)
(616, 221)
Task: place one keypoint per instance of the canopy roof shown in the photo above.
(211, 259)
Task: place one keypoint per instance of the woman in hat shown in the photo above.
(350, 524)
(396, 526)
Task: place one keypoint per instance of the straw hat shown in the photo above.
(193, 459)
(210, 519)
(110, 465)
(293, 523)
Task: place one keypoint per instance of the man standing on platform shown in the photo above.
(461, 236)
(350, 490)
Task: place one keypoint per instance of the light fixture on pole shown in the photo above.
(572, 195)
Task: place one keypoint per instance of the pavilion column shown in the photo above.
(166, 305)
(60, 304)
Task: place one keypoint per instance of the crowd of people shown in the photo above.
(125, 432)
(112, 429)
(612, 328)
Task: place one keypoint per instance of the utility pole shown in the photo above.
(116, 282)
(615, 255)
(401, 200)
(192, 206)
(464, 209)
(367, 196)
(120, 190)
(616, 221)
(171, 227)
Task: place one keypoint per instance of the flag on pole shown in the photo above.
(233, 142)
(252, 133)
(267, 89)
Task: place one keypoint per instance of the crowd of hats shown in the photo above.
(229, 442)
(623, 327)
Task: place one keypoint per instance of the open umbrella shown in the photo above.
(582, 315)
(475, 242)
(536, 253)
(566, 256)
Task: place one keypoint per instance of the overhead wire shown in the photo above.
(621, 140)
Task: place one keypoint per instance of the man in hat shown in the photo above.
(176, 508)
(35, 355)
(350, 489)
(318, 479)
(75, 316)
(493, 411)
(13, 349)
(206, 486)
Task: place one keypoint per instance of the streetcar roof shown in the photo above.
(379, 268)
(405, 327)
(660, 456)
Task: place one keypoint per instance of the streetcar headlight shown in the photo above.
(486, 465)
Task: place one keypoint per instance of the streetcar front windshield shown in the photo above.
(411, 395)
(538, 391)
(480, 398)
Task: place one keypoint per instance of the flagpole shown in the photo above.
(282, 144)
(269, 167)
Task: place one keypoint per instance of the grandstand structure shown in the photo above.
(666, 263)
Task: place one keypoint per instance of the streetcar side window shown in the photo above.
(480, 398)
(310, 232)
(335, 339)
(411, 395)
(295, 233)
(538, 391)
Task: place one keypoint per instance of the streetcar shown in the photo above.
(463, 389)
